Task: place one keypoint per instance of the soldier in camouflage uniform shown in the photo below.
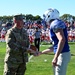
(17, 43)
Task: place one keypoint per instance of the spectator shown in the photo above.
(37, 36)
(3, 33)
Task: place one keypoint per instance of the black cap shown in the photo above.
(18, 17)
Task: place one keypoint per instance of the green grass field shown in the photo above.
(37, 65)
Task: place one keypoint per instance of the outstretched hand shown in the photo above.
(37, 53)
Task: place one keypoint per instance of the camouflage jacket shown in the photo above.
(17, 42)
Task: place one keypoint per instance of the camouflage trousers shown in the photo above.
(18, 69)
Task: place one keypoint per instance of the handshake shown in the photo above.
(34, 51)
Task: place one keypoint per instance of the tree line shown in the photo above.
(65, 17)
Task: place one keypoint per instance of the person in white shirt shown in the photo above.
(3, 32)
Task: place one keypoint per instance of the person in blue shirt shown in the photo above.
(59, 36)
(37, 36)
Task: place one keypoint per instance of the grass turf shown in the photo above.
(37, 65)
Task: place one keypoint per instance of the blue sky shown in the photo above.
(36, 7)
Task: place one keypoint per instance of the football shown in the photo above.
(34, 49)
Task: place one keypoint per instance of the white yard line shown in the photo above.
(30, 57)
